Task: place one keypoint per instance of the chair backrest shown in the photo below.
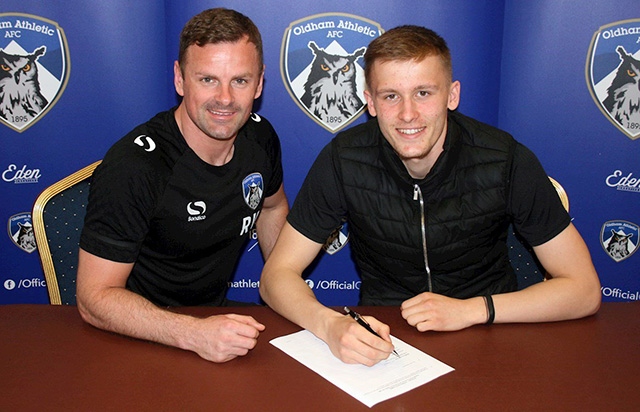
(58, 217)
(523, 260)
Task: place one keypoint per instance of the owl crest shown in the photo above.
(20, 96)
(330, 92)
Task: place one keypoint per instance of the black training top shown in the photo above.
(183, 222)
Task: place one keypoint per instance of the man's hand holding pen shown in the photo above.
(350, 342)
(363, 322)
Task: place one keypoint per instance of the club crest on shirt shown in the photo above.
(613, 74)
(337, 239)
(20, 231)
(322, 66)
(619, 239)
(34, 68)
(252, 189)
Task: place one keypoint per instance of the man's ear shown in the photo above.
(260, 84)
(178, 81)
(370, 106)
(454, 96)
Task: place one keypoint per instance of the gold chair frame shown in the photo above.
(39, 227)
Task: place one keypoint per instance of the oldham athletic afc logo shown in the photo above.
(619, 239)
(20, 231)
(322, 66)
(613, 74)
(34, 68)
(252, 189)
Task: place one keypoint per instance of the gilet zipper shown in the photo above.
(417, 195)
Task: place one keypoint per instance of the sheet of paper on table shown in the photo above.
(370, 385)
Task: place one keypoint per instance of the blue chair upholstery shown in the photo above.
(523, 260)
(58, 217)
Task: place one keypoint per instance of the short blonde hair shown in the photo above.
(407, 43)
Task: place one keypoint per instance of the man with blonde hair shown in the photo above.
(428, 194)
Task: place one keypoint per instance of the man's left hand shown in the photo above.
(430, 311)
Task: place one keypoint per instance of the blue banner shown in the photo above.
(559, 76)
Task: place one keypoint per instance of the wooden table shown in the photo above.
(51, 360)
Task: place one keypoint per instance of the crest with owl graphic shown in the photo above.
(331, 92)
(613, 75)
(21, 99)
(322, 66)
(33, 68)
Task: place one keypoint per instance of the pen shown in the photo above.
(364, 324)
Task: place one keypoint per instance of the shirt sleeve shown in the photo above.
(319, 206)
(120, 205)
(534, 205)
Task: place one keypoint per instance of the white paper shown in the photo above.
(369, 385)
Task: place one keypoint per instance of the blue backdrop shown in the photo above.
(536, 69)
